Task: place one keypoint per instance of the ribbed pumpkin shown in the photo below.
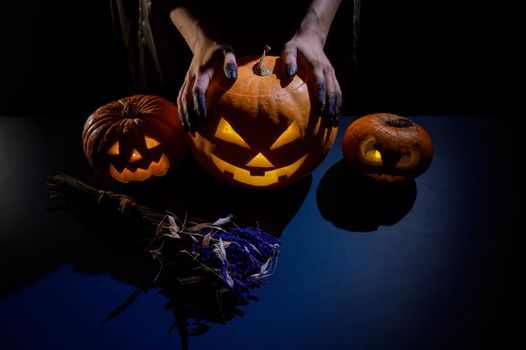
(135, 138)
(261, 131)
(387, 147)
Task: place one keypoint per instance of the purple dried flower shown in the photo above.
(242, 258)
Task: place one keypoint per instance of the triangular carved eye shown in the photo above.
(290, 134)
(226, 132)
(114, 149)
(150, 143)
(135, 156)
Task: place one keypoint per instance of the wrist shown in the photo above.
(202, 42)
(311, 33)
(313, 28)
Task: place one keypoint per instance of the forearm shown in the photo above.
(318, 19)
(191, 29)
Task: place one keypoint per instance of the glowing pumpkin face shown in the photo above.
(260, 132)
(135, 138)
(134, 165)
(387, 147)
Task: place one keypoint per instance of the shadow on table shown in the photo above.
(194, 193)
(357, 204)
(196, 300)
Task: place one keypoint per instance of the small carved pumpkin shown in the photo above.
(135, 138)
(387, 147)
(260, 131)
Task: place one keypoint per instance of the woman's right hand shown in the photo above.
(191, 100)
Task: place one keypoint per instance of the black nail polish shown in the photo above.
(231, 71)
(290, 72)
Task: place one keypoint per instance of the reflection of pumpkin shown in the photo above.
(134, 138)
(260, 131)
(387, 147)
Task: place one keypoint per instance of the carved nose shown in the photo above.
(260, 161)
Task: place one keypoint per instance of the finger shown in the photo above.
(229, 63)
(338, 101)
(199, 103)
(329, 108)
(321, 86)
(182, 107)
(290, 59)
(193, 119)
(199, 93)
(331, 98)
(190, 113)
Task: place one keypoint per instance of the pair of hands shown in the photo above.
(191, 100)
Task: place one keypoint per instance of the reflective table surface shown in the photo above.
(431, 264)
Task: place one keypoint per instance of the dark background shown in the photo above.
(452, 283)
(413, 57)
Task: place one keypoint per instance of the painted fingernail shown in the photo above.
(290, 71)
(231, 71)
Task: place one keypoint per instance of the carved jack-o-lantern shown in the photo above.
(387, 147)
(260, 131)
(135, 138)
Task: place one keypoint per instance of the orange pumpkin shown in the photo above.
(135, 138)
(260, 131)
(387, 147)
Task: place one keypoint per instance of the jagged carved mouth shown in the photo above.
(259, 178)
(159, 168)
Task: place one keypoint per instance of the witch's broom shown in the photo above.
(240, 258)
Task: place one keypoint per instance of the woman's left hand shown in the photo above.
(328, 93)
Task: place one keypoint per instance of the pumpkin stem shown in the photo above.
(259, 68)
(400, 123)
(128, 110)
